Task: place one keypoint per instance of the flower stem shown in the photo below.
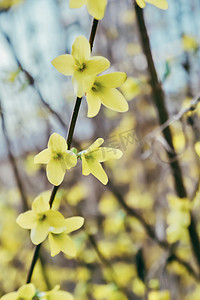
(69, 142)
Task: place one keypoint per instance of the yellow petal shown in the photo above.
(197, 148)
(54, 246)
(77, 81)
(81, 49)
(96, 65)
(97, 170)
(64, 64)
(70, 159)
(95, 145)
(76, 3)
(88, 82)
(57, 143)
(114, 100)
(55, 172)
(27, 220)
(43, 157)
(60, 295)
(104, 153)
(27, 291)
(96, 8)
(112, 80)
(141, 3)
(40, 232)
(67, 246)
(162, 4)
(10, 296)
(73, 223)
(85, 166)
(40, 204)
(56, 221)
(94, 104)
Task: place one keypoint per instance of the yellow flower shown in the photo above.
(197, 148)
(102, 89)
(57, 158)
(26, 292)
(79, 64)
(162, 4)
(55, 293)
(159, 295)
(41, 219)
(94, 155)
(29, 292)
(96, 8)
(62, 242)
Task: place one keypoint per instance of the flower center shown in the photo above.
(41, 217)
(80, 67)
(96, 87)
(57, 156)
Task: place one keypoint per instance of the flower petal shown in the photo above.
(27, 291)
(73, 223)
(55, 172)
(40, 232)
(112, 80)
(96, 8)
(197, 148)
(60, 295)
(77, 81)
(94, 104)
(10, 296)
(64, 64)
(67, 246)
(94, 146)
(56, 221)
(104, 153)
(97, 170)
(85, 166)
(40, 204)
(141, 3)
(81, 49)
(57, 143)
(70, 159)
(162, 4)
(43, 157)
(76, 3)
(27, 220)
(113, 99)
(54, 246)
(96, 65)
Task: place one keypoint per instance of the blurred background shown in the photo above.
(117, 258)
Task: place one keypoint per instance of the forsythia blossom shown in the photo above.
(96, 8)
(102, 89)
(61, 241)
(94, 155)
(178, 219)
(41, 219)
(197, 148)
(29, 292)
(79, 64)
(57, 158)
(162, 4)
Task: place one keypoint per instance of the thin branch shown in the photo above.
(159, 101)
(69, 142)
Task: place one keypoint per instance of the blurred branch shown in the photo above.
(159, 102)
(150, 230)
(19, 182)
(32, 81)
(176, 117)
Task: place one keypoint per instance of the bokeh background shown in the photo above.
(116, 255)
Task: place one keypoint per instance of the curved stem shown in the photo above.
(69, 142)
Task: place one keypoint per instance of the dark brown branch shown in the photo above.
(159, 102)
